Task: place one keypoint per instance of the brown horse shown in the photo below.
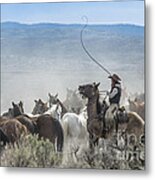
(95, 122)
(50, 128)
(17, 112)
(12, 128)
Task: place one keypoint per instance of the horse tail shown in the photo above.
(60, 136)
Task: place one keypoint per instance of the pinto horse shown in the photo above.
(54, 100)
(95, 124)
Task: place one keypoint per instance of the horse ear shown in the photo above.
(35, 101)
(49, 94)
(13, 104)
(40, 101)
(20, 103)
(97, 85)
(56, 95)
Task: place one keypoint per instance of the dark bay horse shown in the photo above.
(95, 124)
(50, 128)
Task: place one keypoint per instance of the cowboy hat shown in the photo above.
(115, 77)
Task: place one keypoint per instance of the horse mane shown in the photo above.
(64, 110)
(98, 104)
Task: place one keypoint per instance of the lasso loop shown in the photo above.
(84, 18)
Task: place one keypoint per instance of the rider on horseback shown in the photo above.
(114, 99)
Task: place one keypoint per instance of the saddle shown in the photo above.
(121, 115)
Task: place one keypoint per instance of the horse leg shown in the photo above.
(91, 142)
(96, 142)
(60, 139)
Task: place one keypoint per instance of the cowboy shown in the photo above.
(114, 100)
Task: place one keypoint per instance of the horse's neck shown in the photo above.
(92, 107)
(16, 113)
(64, 110)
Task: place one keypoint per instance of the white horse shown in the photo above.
(74, 125)
(75, 131)
(75, 136)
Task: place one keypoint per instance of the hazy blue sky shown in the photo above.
(97, 12)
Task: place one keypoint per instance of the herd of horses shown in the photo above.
(75, 118)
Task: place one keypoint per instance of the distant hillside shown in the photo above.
(41, 58)
(48, 46)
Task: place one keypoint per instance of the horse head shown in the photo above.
(17, 109)
(55, 111)
(40, 107)
(52, 99)
(89, 90)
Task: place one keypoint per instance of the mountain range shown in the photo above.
(49, 46)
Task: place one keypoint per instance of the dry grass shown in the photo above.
(31, 152)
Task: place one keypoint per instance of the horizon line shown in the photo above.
(60, 23)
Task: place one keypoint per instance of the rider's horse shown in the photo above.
(95, 122)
